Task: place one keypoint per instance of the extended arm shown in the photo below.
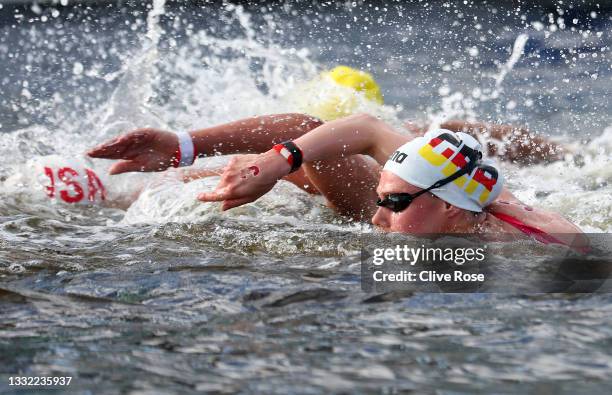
(154, 150)
(251, 135)
(340, 140)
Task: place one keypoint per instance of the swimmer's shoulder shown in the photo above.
(551, 223)
(547, 221)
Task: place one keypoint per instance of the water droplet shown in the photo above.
(444, 90)
(77, 68)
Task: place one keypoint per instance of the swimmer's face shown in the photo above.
(426, 213)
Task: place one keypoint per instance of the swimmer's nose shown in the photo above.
(381, 218)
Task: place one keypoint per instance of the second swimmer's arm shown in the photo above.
(251, 135)
(154, 150)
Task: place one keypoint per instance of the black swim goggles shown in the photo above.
(397, 202)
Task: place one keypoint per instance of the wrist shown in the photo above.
(291, 152)
(185, 153)
(276, 162)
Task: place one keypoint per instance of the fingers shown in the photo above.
(191, 175)
(112, 149)
(118, 148)
(125, 166)
(228, 204)
(215, 196)
(243, 181)
(225, 192)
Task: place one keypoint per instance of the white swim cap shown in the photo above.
(68, 180)
(441, 153)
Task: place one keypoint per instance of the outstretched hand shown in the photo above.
(246, 178)
(139, 150)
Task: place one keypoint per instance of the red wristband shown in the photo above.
(291, 152)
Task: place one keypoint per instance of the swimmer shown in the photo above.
(437, 182)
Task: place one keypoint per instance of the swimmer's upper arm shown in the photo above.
(359, 134)
(386, 139)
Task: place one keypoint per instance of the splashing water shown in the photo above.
(217, 79)
(456, 104)
(517, 51)
(172, 294)
(213, 78)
